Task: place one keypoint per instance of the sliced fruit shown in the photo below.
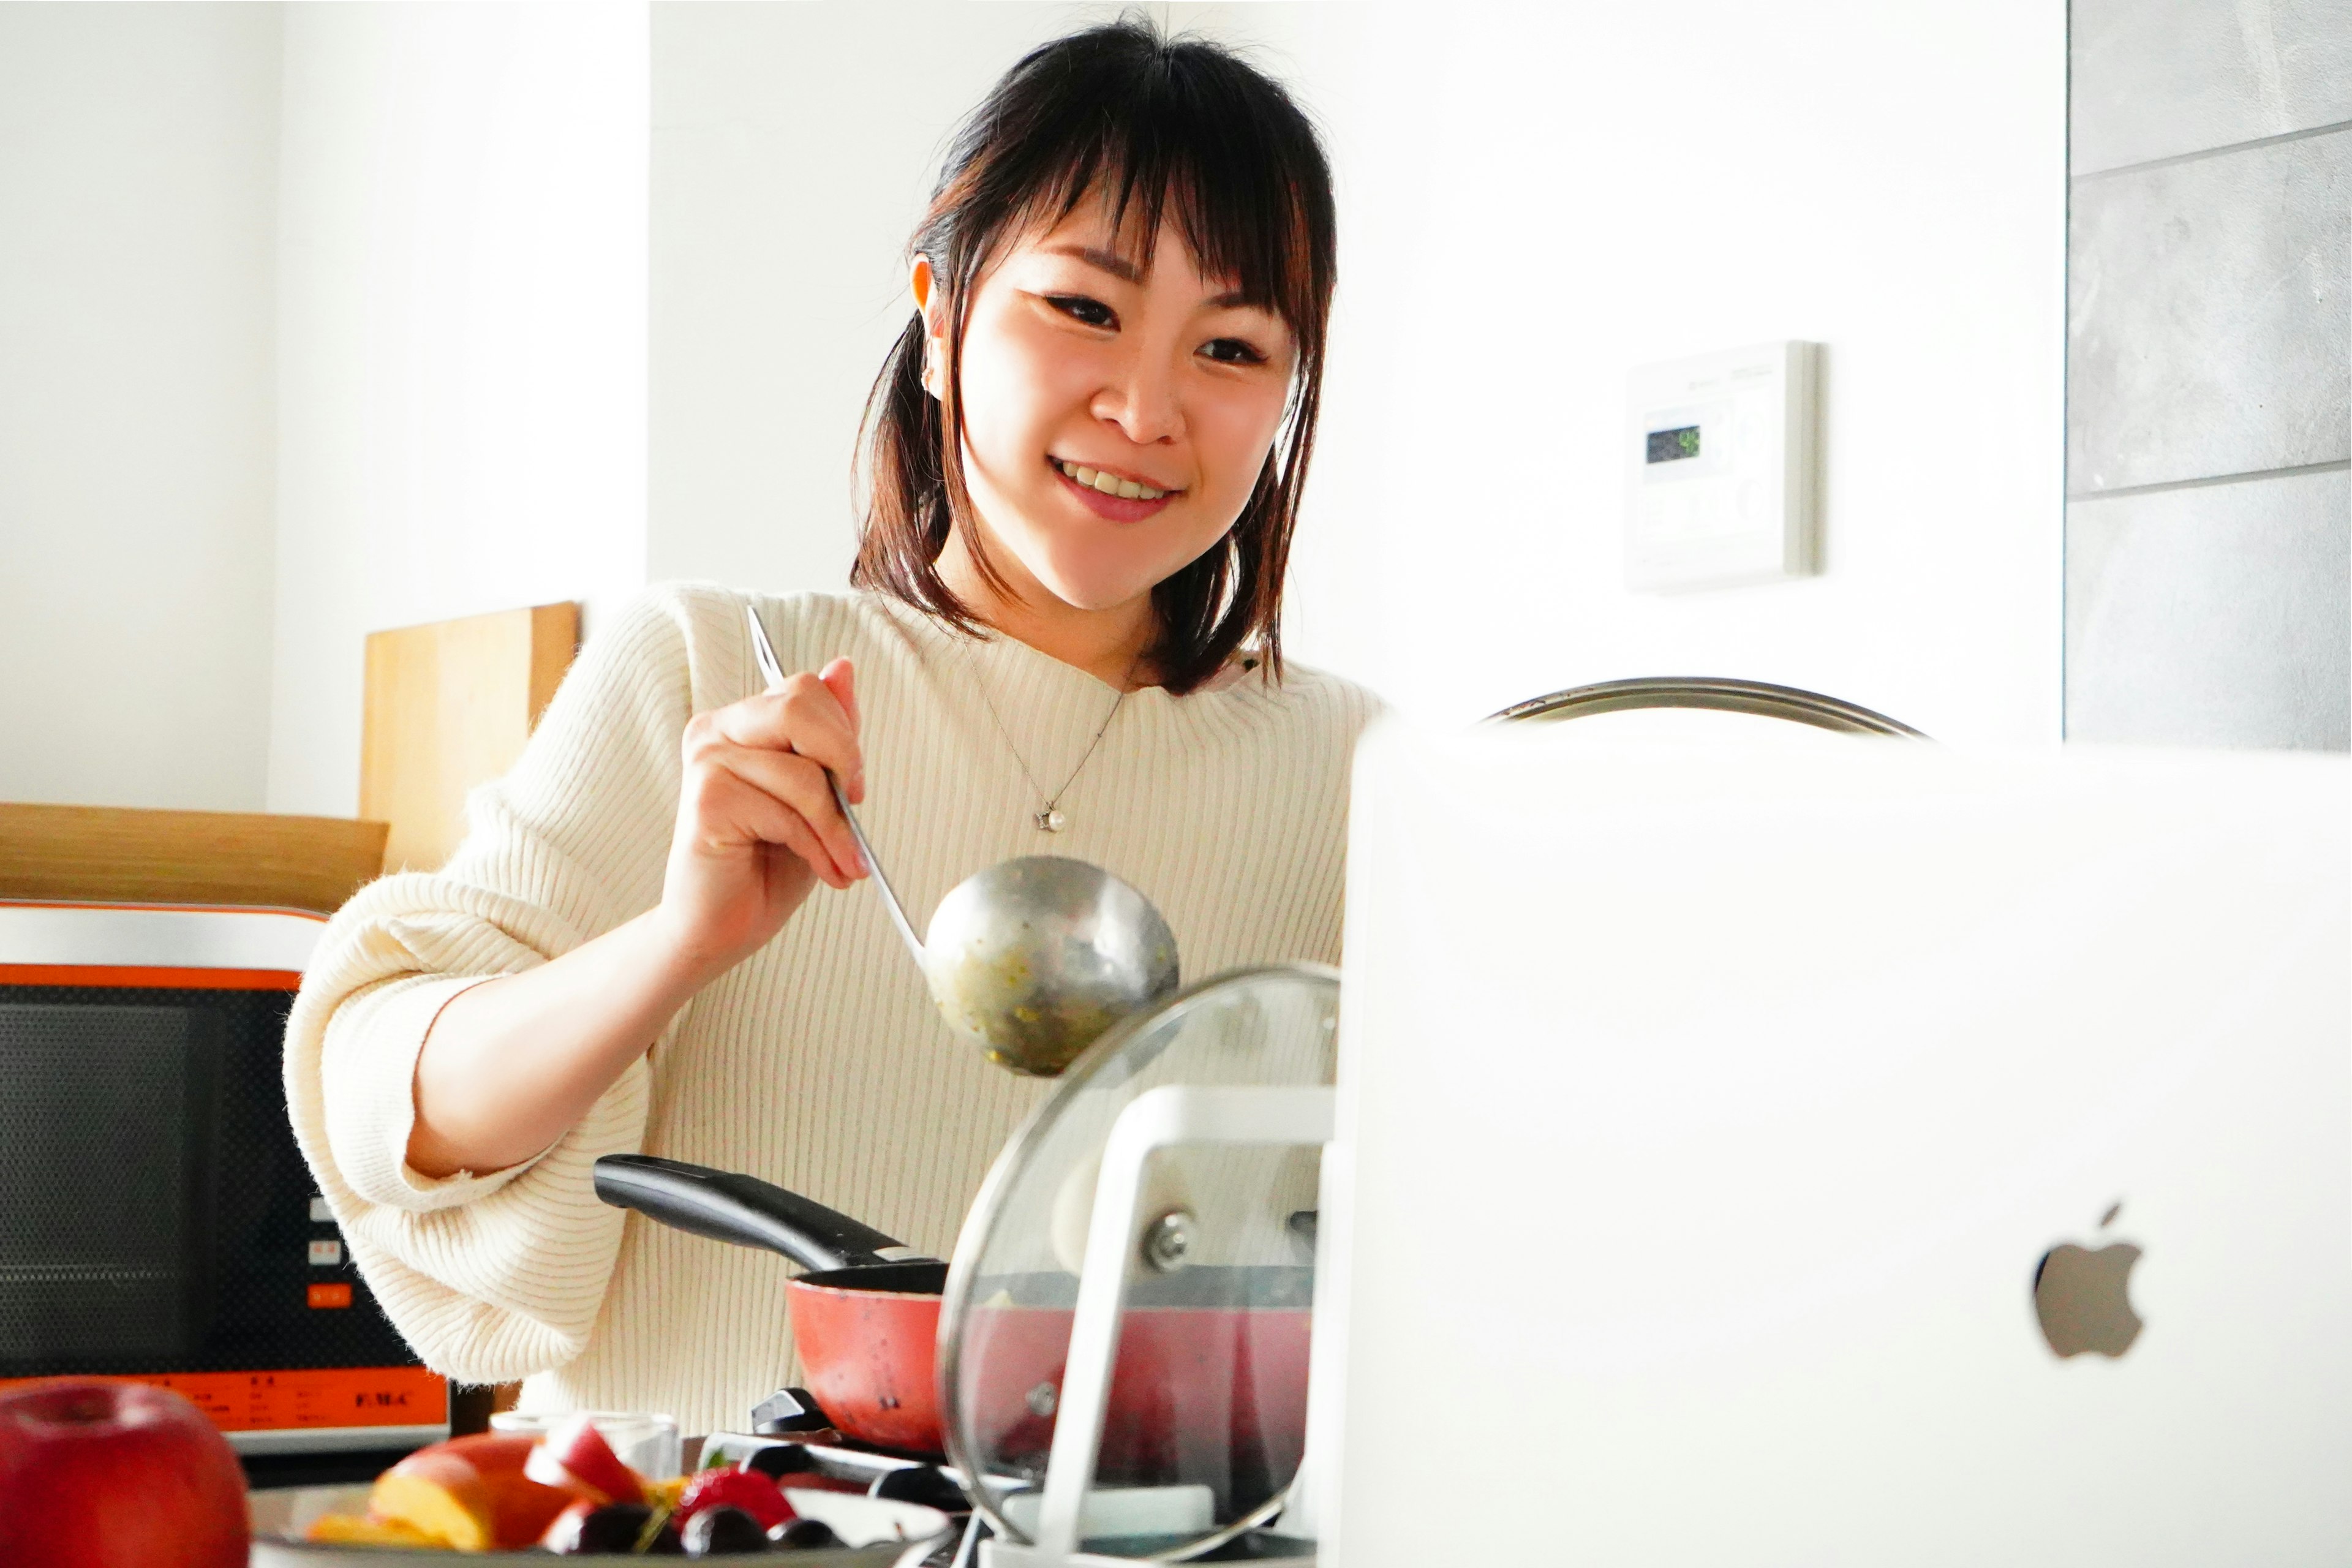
(753, 1493)
(574, 1456)
(522, 1507)
(440, 1496)
(489, 1451)
(350, 1530)
(471, 1493)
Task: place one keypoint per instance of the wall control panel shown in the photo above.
(1722, 454)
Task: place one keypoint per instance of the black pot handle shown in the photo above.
(726, 1206)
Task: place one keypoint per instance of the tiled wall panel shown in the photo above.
(2209, 411)
(2213, 616)
(2208, 316)
(2156, 78)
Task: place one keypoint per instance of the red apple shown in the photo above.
(116, 1474)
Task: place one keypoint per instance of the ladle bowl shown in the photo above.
(1033, 959)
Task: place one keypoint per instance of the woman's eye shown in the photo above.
(1232, 350)
(1078, 307)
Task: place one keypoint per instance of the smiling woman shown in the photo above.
(1085, 462)
(1064, 361)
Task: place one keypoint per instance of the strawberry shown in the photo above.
(733, 1486)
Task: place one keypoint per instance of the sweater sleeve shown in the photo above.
(497, 1275)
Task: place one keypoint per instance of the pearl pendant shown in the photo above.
(1049, 820)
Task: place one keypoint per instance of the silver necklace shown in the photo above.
(1050, 818)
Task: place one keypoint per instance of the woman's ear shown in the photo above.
(931, 304)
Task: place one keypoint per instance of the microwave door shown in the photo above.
(109, 1123)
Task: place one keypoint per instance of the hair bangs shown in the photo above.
(1173, 140)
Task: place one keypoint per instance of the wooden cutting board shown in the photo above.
(448, 706)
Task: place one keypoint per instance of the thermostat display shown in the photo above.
(1669, 445)
(1722, 469)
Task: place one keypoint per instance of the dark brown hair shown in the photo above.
(1173, 128)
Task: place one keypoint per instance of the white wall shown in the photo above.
(1533, 200)
(794, 148)
(1537, 200)
(138, 148)
(462, 322)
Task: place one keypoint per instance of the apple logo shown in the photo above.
(2082, 1296)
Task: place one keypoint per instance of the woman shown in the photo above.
(1086, 457)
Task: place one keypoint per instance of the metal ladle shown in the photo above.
(1032, 958)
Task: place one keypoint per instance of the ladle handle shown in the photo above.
(772, 671)
(881, 883)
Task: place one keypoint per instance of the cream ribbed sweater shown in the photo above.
(818, 1063)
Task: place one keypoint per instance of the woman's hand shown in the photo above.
(509, 1064)
(757, 825)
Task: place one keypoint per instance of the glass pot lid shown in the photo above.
(1207, 1404)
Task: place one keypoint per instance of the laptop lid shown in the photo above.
(1708, 1113)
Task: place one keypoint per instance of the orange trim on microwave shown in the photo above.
(150, 977)
(292, 1400)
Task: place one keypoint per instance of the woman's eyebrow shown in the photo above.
(1110, 261)
(1127, 271)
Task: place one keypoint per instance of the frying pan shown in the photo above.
(1210, 1359)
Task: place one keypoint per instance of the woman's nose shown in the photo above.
(1142, 399)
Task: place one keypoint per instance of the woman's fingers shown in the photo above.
(840, 678)
(757, 770)
(795, 783)
(747, 812)
(802, 715)
(800, 783)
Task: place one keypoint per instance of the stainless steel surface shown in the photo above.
(881, 881)
(1720, 693)
(1031, 959)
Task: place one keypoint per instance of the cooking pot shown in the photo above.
(865, 1322)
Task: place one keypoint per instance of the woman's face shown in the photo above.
(1116, 418)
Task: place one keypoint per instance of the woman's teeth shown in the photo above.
(1110, 484)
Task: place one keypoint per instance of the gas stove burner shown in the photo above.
(834, 1463)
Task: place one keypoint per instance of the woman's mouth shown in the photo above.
(1113, 496)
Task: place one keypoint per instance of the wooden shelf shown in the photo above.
(121, 854)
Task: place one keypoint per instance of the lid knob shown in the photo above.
(1167, 1241)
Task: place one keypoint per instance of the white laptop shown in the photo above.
(1714, 1112)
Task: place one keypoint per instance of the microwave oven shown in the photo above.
(157, 1222)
